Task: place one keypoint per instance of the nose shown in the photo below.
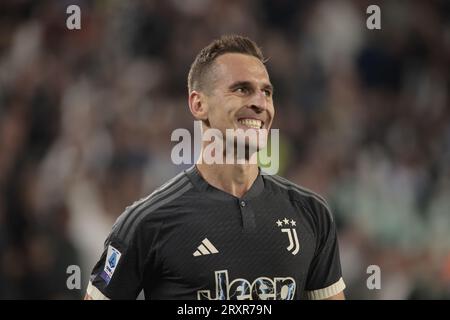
(259, 101)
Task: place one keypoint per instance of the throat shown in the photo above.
(233, 179)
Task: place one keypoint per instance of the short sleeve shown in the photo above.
(127, 258)
(325, 275)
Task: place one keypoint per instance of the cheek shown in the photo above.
(225, 111)
(220, 117)
(222, 111)
(271, 110)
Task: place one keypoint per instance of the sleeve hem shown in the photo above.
(327, 292)
(95, 293)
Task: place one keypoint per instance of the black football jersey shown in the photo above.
(190, 240)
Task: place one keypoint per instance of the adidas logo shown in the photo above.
(205, 248)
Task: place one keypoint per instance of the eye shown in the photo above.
(268, 93)
(242, 90)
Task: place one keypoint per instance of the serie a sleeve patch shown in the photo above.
(112, 260)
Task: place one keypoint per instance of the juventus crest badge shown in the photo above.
(287, 226)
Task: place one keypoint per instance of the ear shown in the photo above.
(198, 105)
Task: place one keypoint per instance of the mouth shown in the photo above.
(251, 123)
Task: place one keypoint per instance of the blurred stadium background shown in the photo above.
(86, 118)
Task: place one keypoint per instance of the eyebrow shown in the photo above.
(234, 85)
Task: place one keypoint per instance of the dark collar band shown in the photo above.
(203, 186)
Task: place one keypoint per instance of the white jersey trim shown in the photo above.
(327, 292)
(94, 293)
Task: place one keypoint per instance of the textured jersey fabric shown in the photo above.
(189, 240)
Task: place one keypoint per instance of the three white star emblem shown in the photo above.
(289, 227)
(286, 222)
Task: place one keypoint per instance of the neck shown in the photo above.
(235, 179)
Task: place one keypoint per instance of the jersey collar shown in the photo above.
(203, 186)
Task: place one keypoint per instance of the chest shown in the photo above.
(233, 250)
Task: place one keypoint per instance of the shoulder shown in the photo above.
(147, 208)
(308, 199)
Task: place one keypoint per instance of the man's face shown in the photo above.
(240, 95)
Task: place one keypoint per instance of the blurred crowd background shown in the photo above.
(86, 117)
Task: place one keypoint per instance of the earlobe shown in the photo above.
(197, 105)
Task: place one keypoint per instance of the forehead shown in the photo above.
(232, 67)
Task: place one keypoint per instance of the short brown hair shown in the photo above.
(206, 57)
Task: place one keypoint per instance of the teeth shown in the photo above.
(252, 123)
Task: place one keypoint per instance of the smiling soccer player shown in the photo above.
(224, 231)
